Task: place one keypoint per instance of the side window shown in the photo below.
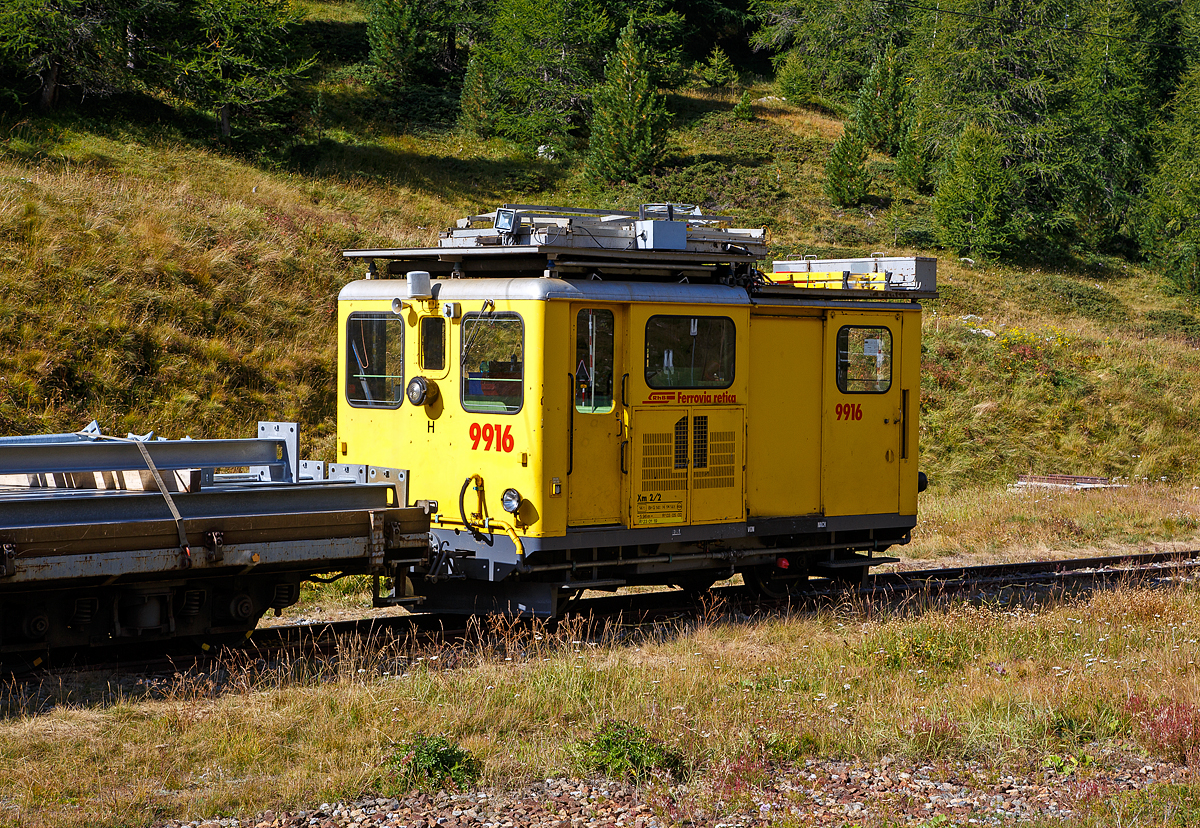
(433, 343)
(864, 360)
(375, 360)
(493, 363)
(689, 351)
(594, 361)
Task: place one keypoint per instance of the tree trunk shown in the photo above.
(224, 120)
(49, 87)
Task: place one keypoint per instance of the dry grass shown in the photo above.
(989, 524)
(1004, 686)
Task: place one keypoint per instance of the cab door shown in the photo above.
(594, 459)
(861, 414)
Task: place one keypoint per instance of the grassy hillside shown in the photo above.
(154, 279)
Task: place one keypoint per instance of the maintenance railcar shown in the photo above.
(586, 400)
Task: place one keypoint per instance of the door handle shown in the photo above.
(624, 385)
(570, 423)
(624, 444)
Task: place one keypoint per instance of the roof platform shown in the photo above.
(657, 243)
(664, 242)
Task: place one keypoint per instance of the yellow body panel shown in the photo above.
(434, 441)
(783, 458)
(771, 444)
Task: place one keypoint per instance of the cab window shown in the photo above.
(433, 343)
(493, 363)
(689, 351)
(374, 360)
(594, 361)
(864, 360)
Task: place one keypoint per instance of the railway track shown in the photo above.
(635, 614)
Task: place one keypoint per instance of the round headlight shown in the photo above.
(511, 500)
(421, 391)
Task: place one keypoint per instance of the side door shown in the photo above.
(594, 461)
(861, 415)
(687, 431)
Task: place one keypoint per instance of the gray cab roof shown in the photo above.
(545, 289)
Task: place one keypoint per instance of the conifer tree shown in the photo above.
(914, 159)
(974, 195)
(846, 176)
(1169, 229)
(630, 120)
(718, 71)
(879, 109)
(743, 110)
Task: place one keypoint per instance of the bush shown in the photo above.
(433, 762)
(718, 71)
(846, 176)
(973, 198)
(879, 110)
(1168, 729)
(619, 750)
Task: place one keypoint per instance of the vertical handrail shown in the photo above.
(570, 424)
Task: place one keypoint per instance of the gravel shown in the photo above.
(817, 792)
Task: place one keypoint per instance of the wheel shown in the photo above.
(770, 582)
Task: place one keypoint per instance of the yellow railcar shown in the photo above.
(586, 400)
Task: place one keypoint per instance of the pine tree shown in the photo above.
(1169, 229)
(879, 110)
(718, 71)
(630, 121)
(743, 110)
(532, 79)
(973, 200)
(914, 160)
(846, 178)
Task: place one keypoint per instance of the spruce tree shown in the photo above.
(974, 195)
(630, 121)
(846, 176)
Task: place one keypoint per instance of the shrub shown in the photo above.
(846, 176)
(433, 762)
(1169, 729)
(620, 750)
(973, 198)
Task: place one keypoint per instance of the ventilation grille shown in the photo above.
(681, 452)
(721, 453)
(700, 441)
(658, 462)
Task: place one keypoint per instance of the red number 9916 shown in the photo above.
(491, 435)
(849, 411)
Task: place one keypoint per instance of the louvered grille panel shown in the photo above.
(658, 458)
(722, 455)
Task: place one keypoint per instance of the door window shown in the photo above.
(374, 360)
(594, 361)
(864, 360)
(689, 351)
